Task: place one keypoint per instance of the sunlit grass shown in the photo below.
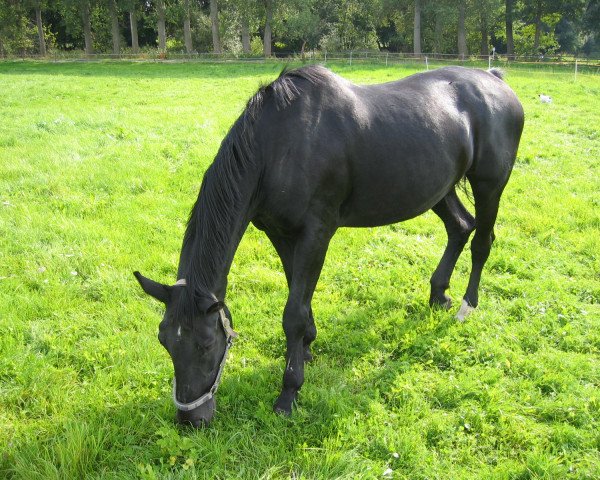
(99, 166)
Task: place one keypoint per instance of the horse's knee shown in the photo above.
(295, 320)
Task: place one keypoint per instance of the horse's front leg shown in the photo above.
(285, 248)
(309, 254)
(295, 319)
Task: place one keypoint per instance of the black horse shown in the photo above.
(313, 152)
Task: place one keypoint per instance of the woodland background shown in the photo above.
(283, 27)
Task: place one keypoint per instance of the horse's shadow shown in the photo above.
(364, 348)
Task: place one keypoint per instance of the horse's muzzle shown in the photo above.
(199, 417)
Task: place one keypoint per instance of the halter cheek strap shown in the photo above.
(230, 335)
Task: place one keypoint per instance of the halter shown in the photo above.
(230, 335)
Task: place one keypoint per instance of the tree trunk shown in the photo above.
(40, 29)
(538, 25)
(245, 35)
(510, 43)
(267, 36)
(162, 29)
(437, 33)
(135, 46)
(214, 21)
(87, 28)
(187, 29)
(115, 32)
(483, 29)
(417, 28)
(462, 35)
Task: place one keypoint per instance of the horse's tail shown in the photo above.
(463, 186)
(497, 72)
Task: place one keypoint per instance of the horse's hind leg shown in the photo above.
(487, 199)
(459, 224)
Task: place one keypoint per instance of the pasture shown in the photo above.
(100, 164)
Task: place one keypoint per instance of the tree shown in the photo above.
(462, 35)
(354, 24)
(510, 43)
(488, 15)
(243, 17)
(245, 31)
(545, 16)
(37, 6)
(591, 26)
(539, 5)
(85, 9)
(14, 32)
(534, 12)
(417, 28)
(214, 22)
(161, 25)
(187, 30)
(438, 31)
(300, 24)
(267, 36)
(484, 31)
(113, 10)
(131, 7)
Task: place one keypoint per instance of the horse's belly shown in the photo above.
(382, 197)
(384, 210)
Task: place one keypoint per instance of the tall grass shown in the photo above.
(99, 166)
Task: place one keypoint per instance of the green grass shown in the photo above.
(99, 166)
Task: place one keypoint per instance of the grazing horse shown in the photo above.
(313, 152)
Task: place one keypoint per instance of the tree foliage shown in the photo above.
(240, 26)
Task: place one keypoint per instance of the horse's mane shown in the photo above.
(220, 204)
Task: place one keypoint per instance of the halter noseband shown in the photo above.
(230, 335)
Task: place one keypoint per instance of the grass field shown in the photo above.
(99, 166)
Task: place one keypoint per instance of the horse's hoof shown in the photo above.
(444, 302)
(282, 412)
(283, 404)
(465, 310)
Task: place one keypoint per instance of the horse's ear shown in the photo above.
(154, 289)
(215, 307)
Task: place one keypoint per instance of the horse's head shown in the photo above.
(198, 347)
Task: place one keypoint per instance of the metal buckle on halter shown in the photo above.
(230, 334)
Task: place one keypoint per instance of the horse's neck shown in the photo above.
(210, 245)
(215, 264)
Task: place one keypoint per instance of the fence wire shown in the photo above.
(525, 63)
